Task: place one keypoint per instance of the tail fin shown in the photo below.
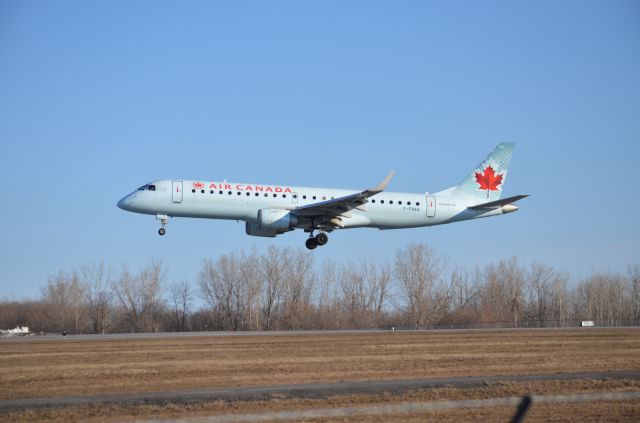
(485, 182)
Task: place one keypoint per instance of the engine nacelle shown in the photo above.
(271, 222)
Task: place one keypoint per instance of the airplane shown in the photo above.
(271, 210)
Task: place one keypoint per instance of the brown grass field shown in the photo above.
(65, 367)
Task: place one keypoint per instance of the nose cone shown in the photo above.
(124, 203)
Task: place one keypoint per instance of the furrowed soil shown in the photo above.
(609, 411)
(67, 367)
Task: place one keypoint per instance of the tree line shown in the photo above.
(286, 289)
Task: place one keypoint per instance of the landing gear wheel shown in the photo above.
(322, 239)
(164, 219)
(311, 243)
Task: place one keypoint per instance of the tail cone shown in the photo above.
(509, 208)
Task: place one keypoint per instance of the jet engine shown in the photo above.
(271, 222)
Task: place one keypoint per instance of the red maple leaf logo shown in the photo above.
(488, 179)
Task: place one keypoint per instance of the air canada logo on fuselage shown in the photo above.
(243, 187)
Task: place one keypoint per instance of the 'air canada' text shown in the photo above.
(242, 187)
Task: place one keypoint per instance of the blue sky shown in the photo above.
(97, 99)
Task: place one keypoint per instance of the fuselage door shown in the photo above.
(431, 206)
(177, 191)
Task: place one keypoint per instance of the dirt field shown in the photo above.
(610, 411)
(67, 367)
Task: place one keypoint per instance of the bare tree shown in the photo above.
(140, 297)
(548, 295)
(364, 288)
(503, 292)
(63, 297)
(55, 295)
(417, 271)
(601, 297)
(250, 287)
(95, 284)
(379, 284)
(540, 280)
(355, 301)
(223, 288)
(559, 307)
(272, 265)
(633, 280)
(279, 289)
(328, 298)
(181, 297)
(464, 288)
(298, 288)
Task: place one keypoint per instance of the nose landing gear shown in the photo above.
(163, 218)
(317, 241)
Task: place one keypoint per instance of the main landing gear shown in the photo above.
(319, 240)
(163, 218)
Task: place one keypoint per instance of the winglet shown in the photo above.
(382, 185)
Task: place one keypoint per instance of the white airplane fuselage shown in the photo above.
(270, 210)
(387, 210)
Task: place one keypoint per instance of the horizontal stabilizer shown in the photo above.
(498, 203)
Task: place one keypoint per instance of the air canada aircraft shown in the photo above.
(271, 210)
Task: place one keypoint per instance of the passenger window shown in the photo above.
(295, 195)
(304, 197)
(193, 190)
(408, 203)
(275, 195)
(266, 195)
(381, 201)
(400, 202)
(239, 193)
(314, 197)
(391, 202)
(324, 198)
(284, 195)
(248, 194)
(373, 201)
(229, 192)
(219, 192)
(201, 191)
(211, 192)
(417, 204)
(257, 194)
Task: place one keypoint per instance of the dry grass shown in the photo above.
(595, 411)
(68, 367)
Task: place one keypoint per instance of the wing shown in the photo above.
(342, 205)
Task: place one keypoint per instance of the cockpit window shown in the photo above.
(147, 187)
(151, 187)
(142, 188)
